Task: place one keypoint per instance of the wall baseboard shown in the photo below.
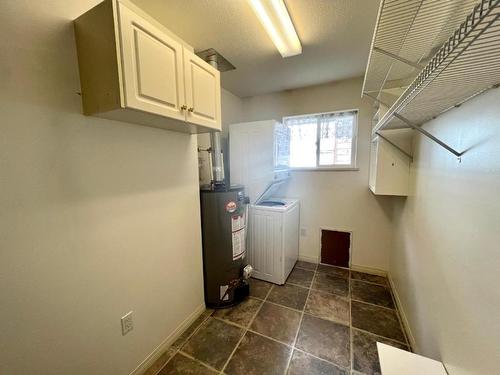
(371, 270)
(160, 349)
(404, 319)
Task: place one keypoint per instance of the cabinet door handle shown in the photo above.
(191, 109)
(184, 107)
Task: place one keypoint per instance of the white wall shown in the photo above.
(446, 258)
(333, 199)
(96, 217)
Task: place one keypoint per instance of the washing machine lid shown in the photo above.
(271, 189)
(273, 203)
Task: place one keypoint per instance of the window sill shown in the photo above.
(325, 169)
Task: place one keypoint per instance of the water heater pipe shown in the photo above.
(217, 161)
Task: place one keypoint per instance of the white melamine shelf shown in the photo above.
(467, 64)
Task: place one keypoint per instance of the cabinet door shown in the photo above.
(152, 67)
(202, 92)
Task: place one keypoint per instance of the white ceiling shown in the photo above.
(335, 36)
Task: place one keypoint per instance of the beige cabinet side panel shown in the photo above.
(97, 59)
(372, 182)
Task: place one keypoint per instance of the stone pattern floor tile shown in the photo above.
(328, 306)
(240, 314)
(289, 295)
(257, 355)
(181, 364)
(189, 331)
(331, 284)
(325, 339)
(300, 277)
(334, 271)
(302, 364)
(277, 322)
(370, 278)
(371, 293)
(161, 361)
(381, 321)
(259, 288)
(213, 343)
(316, 322)
(365, 354)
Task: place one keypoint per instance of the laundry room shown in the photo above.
(250, 187)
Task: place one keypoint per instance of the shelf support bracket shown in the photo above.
(419, 129)
(399, 58)
(429, 135)
(394, 145)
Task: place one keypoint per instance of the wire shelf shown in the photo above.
(466, 64)
(413, 30)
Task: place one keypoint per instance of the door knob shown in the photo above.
(191, 109)
(184, 107)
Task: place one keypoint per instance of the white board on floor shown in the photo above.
(394, 361)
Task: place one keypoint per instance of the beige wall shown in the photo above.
(333, 199)
(96, 217)
(446, 258)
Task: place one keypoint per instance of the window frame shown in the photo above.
(354, 144)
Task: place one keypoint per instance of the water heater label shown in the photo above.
(238, 236)
(237, 223)
(238, 244)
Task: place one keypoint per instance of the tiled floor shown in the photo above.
(324, 320)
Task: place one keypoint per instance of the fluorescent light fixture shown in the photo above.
(275, 18)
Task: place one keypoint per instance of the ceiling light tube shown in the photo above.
(274, 16)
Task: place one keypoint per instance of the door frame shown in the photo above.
(338, 229)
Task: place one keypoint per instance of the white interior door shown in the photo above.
(152, 67)
(202, 92)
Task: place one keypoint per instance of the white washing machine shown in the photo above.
(259, 158)
(273, 243)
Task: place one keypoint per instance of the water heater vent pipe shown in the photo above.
(217, 160)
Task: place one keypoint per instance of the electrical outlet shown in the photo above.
(303, 232)
(127, 323)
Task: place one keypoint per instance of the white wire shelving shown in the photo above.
(466, 64)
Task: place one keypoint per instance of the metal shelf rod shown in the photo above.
(417, 128)
(394, 145)
(429, 135)
(398, 58)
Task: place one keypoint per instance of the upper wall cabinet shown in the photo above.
(133, 69)
(202, 91)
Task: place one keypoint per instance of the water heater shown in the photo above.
(224, 224)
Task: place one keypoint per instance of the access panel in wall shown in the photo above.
(335, 248)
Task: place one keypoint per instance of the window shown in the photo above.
(323, 140)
